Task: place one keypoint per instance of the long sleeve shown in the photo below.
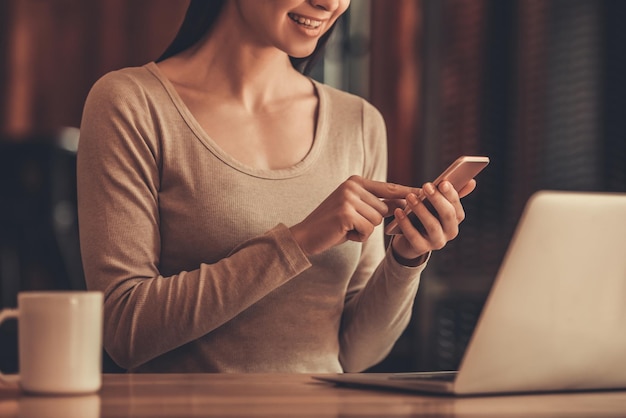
(380, 296)
(148, 314)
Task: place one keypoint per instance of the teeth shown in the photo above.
(305, 21)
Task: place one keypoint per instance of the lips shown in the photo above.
(307, 22)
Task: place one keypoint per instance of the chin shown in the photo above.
(301, 50)
(301, 54)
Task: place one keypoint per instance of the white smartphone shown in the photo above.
(459, 173)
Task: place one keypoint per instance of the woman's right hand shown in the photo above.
(350, 213)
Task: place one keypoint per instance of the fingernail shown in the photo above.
(445, 186)
(412, 199)
(429, 188)
(400, 214)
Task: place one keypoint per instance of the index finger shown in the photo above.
(386, 190)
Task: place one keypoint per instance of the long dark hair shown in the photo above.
(199, 20)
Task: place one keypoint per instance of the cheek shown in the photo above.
(341, 9)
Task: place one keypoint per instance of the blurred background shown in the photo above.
(537, 85)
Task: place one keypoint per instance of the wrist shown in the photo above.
(410, 262)
(299, 236)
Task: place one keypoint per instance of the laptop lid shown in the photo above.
(555, 318)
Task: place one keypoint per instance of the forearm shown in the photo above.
(149, 316)
(376, 316)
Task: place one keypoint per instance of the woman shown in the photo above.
(231, 208)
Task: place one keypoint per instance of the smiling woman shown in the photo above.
(231, 207)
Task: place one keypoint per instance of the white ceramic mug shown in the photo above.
(59, 341)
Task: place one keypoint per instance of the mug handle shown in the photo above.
(4, 315)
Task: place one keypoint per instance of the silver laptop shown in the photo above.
(555, 318)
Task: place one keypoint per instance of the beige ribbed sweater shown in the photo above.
(193, 252)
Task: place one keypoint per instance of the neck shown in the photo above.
(226, 63)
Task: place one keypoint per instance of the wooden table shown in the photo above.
(288, 395)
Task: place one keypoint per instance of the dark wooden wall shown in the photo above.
(52, 51)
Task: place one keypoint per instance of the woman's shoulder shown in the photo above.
(124, 83)
(337, 95)
(131, 93)
(344, 106)
(344, 101)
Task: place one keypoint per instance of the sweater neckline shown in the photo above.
(201, 134)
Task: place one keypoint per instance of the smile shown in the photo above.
(305, 21)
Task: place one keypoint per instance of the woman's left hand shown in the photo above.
(438, 229)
